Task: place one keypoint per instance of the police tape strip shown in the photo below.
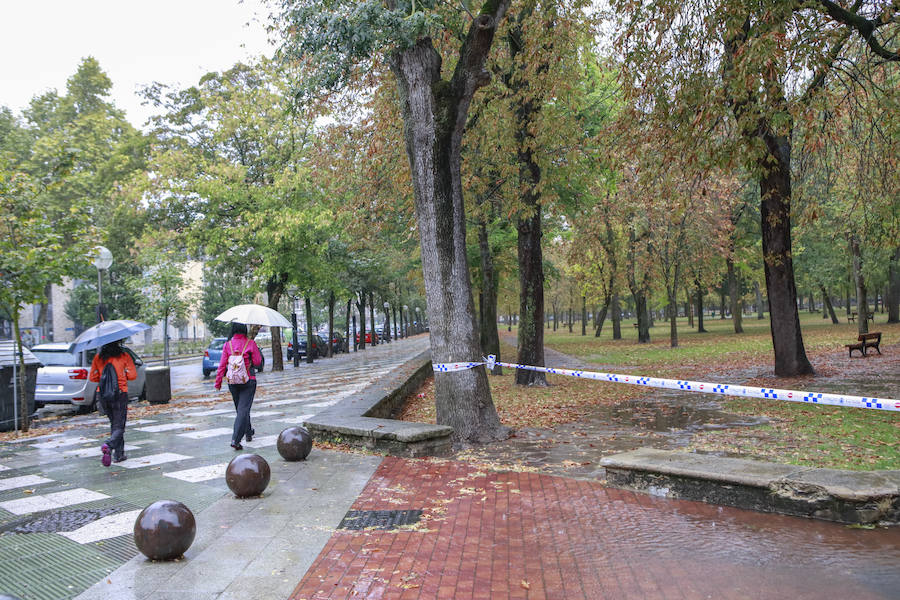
(722, 389)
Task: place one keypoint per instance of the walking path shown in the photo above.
(342, 525)
(66, 522)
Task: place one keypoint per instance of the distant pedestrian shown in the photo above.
(240, 358)
(115, 404)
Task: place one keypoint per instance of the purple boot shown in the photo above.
(106, 460)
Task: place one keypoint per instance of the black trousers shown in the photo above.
(242, 394)
(116, 411)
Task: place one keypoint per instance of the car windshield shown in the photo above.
(217, 344)
(55, 358)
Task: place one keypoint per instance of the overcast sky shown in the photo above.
(174, 42)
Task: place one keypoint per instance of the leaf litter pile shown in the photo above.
(813, 435)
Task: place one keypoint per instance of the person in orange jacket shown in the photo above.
(116, 409)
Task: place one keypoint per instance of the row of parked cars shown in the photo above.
(63, 377)
(213, 353)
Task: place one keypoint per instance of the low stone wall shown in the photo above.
(365, 419)
(860, 497)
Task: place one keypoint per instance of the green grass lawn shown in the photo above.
(825, 436)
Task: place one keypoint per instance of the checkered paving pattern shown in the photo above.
(66, 521)
(511, 535)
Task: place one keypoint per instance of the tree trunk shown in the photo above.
(372, 319)
(490, 337)
(274, 291)
(330, 351)
(643, 317)
(616, 317)
(673, 317)
(862, 301)
(434, 115)
(700, 328)
(361, 307)
(24, 416)
(309, 331)
(827, 306)
(531, 298)
(893, 295)
(601, 317)
(583, 315)
(722, 304)
(347, 341)
(734, 293)
(760, 312)
(775, 217)
(688, 306)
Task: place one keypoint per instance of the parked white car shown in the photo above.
(63, 378)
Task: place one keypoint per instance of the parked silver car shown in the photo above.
(63, 378)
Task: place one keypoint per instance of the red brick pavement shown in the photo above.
(512, 535)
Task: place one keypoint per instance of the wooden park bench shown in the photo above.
(852, 317)
(866, 340)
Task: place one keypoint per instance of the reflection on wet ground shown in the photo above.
(666, 420)
(746, 554)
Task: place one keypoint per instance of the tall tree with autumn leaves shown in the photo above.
(332, 41)
(754, 67)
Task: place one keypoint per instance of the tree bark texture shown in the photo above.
(784, 320)
(434, 114)
(531, 300)
(347, 341)
(616, 317)
(274, 292)
(862, 300)
(330, 351)
(361, 308)
(372, 318)
(828, 306)
(734, 293)
(893, 295)
(583, 315)
(700, 328)
(643, 317)
(490, 337)
(600, 317)
(310, 355)
(673, 317)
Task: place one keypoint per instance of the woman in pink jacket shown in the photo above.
(241, 393)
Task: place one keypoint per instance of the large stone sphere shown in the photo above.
(294, 443)
(247, 475)
(165, 530)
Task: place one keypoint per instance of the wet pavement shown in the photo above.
(66, 521)
(501, 535)
(471, 531)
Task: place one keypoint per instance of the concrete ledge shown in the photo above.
(862, 497)
(365, 419)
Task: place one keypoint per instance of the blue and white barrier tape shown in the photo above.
(723, 389)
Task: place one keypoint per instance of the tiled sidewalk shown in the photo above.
(507, 535)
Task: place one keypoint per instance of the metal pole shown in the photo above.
(15, 390)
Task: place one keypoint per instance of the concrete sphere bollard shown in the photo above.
(247, 475)
(294, 443)
(164, 530)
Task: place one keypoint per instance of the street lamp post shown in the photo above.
(418, 321)
(387, 322)
(405, 320)
(394, 315)
(103, 259)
